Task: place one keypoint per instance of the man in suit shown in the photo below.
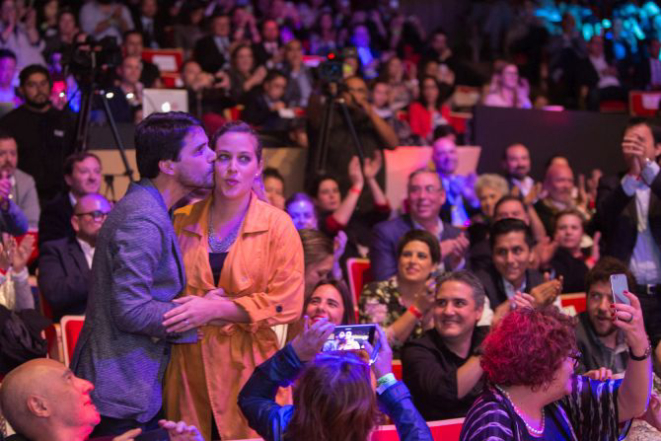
(648, 71)
(213, 51)
(23, 190)
(461, 201)
(65, 264)
(629, 217)
(299, 78)
(264, 104)
(147, 22)
(82, 173)
(425, 198)
(124, 348)
(511, 247)
(150, 75)
(268, 52)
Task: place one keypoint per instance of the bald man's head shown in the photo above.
(43, 399)
(89, 214)
(559, 183)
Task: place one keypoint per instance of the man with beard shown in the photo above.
(15, 185)
(373, 132)
(124, 348)
(43, 134)
(600, 343)
(516, 162)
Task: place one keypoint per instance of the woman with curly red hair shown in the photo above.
(529, 361)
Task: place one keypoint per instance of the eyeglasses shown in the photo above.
(96, 214)
(576, 358)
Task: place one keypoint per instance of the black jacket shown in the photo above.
(495, 289)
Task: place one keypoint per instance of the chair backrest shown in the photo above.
(397, 369)
(71, 327)
(577, 302)
(359, 274)
(444, 430)
(167, 60)
(643, 103)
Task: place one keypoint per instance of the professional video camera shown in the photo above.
(331, 70)
(89, 58)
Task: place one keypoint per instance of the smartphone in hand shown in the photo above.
(619, 285)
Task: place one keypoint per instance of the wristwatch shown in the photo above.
(646, 354)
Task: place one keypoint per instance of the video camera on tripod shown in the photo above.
(90, 59)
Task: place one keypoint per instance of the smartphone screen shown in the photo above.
(349, 337)
(619, 285)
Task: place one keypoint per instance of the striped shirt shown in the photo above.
(588, 413)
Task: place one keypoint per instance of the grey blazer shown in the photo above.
(24, 193)
(137, 270)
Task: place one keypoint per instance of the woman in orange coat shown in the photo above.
(244, 266)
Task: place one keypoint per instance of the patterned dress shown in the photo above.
(381, 303)
(588, 413)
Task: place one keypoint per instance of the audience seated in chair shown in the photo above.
(82, 173)
(23, 190)
(65, 264)
(425, 198)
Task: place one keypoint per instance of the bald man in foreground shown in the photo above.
(44, 401)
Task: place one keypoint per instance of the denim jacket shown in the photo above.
(270, 420)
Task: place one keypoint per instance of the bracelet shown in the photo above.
(385, 382)
(415, 311)
(356, 190)
(646, 354)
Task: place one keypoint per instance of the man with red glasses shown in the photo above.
(65, 264)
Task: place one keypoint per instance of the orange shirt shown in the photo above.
(263, 273)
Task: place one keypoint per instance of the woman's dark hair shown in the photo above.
(235, 52)
(423, 236)
(314, 189)
(238, 127)
(528, 347)
(160, 137)
(349, 316)
(270, 172)
(333, 401)
(439, 98)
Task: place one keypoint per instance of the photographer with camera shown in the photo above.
(334, 389)
(372, 131)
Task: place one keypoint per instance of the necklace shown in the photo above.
(222, 245)
(532, 430)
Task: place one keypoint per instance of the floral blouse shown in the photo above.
(381, 303)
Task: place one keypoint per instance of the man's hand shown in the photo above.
(310, 341)
(128, 436)
(458, 252)
(22, 253)
(633, 148)
(193, 311)
(180, 431)
(545, 293)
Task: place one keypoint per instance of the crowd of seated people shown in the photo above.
(467, 263)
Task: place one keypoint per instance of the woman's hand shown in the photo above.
(653, 414)
(383, 363)
(355, 174)
(310, 341)
(425, 300)
(373, 165)
(601, 374)
(194, 311)
(22, 253)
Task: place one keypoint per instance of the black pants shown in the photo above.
(651, 306)
(117, 426)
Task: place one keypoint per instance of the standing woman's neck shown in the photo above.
(224, 210)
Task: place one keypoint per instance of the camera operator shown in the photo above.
(373, 132)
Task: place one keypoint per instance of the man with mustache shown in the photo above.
(43, 134)
(516, 162)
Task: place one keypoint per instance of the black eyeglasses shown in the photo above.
(96, 214)
(576, 357)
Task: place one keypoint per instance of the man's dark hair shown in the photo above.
(443, 131)
(508, 198)
(273, 74)
(131, 32)
(74, 159)
(425, 237)
(160, 137)
(7, 53)
(604, 269)
(6, 134)
(32, 69)
(506, 226)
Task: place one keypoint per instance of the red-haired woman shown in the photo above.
(529, 361)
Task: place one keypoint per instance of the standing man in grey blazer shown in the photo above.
(137, 271)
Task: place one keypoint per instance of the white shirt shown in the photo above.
(604, 80)
(88, 251)
(524, 185)
(646, 258)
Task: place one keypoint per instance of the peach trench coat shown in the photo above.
(263, 274)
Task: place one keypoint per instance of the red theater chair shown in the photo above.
(445, 430)
(576, 301)
(359, 274)
(71, 327)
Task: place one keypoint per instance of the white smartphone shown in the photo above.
(619, 285)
